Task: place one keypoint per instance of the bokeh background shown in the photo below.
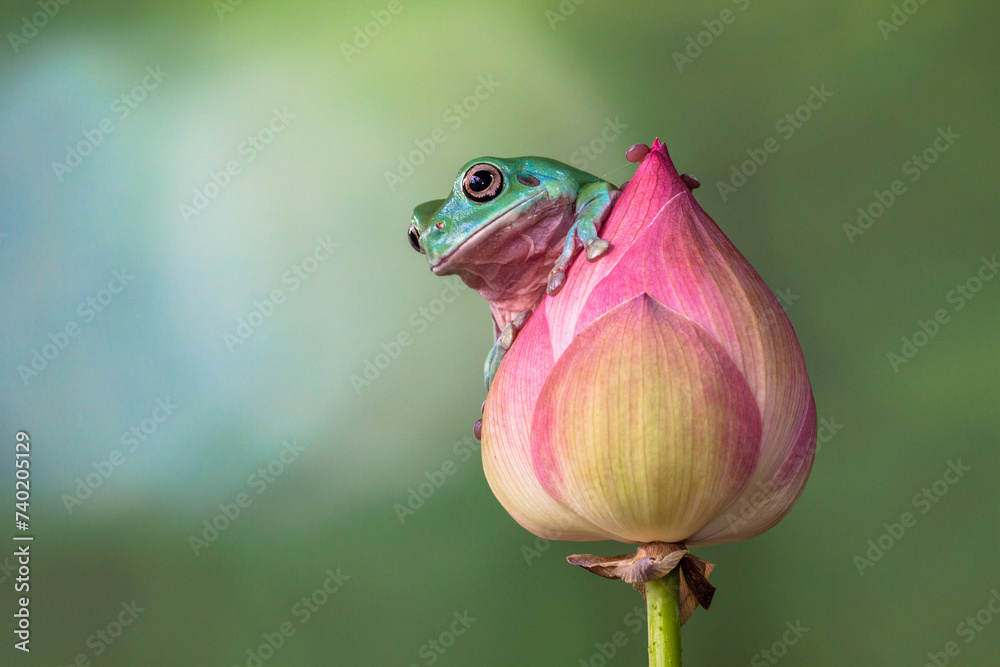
(313, 128)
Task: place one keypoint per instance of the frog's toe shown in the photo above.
(637, 152)
(597, 248)
(507, 337)
(556, 280)
(477, 429)
(690, 181)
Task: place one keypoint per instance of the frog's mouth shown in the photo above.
(501, 220)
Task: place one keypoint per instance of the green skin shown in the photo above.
(513, 241)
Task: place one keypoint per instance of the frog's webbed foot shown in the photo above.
(597, 199)
(504, 341)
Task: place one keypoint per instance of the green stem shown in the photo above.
(662, 596)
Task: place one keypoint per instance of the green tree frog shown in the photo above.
(510, 229)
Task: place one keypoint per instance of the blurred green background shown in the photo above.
(250, 136)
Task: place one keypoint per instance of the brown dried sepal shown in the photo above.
(654, 560)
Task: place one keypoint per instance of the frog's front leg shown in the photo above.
(594, 204)
(504, 341)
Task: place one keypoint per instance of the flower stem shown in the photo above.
(662, 599)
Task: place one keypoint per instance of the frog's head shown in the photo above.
(503, 226)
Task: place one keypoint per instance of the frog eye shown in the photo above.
(482, 182)
(414, 239)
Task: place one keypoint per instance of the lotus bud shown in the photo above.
(661, 396)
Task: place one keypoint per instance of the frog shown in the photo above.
(510, 228)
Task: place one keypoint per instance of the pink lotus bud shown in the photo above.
(661, 395)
